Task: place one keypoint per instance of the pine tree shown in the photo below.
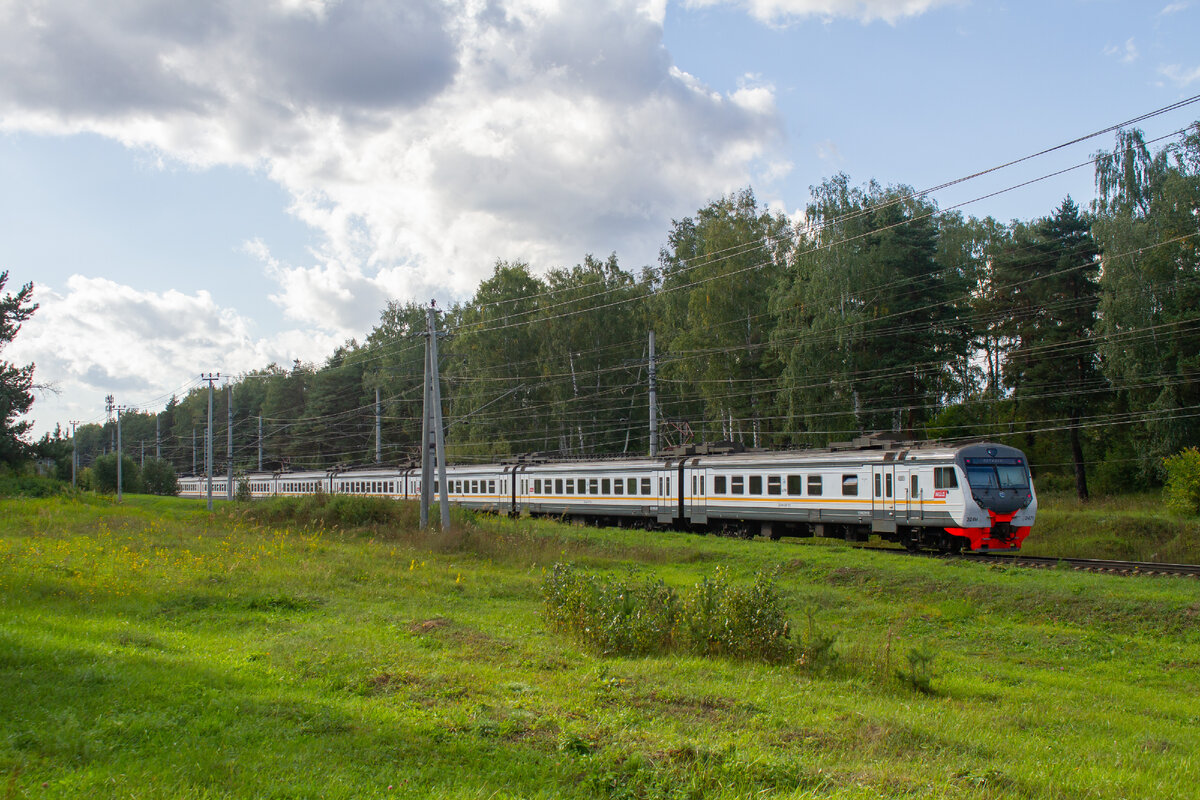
(1048, 279)
(16, 383)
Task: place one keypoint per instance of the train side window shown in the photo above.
(945, 478)
(558, 486)
(737, 484)
(774, 484)
(756, 484)
(693, 486)
(437, 487)
(915, 491)
(660, 486)
(491, 487)
(849, 485)
(618, 486)
(570, 486)
(646, 486)
(878, 484)
(814, 484)
(606, 486)
(795, 484)
(701, 485)
(537, 485)
(594, 486)
(719, 484)
(887, 485)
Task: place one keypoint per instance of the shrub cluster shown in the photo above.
(1183, 481)
(330, 511)
(157, 476)
(631, 616)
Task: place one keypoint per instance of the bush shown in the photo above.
(1183, 481)
(158, 477)
(17, 485)
(629, 617)
(613, 617)
(721, 619)
(104, 474)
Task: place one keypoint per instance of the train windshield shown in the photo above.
(982, 477)
(1012, 476)
(1001, 476)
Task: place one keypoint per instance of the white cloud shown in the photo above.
(1128, 52)
(783, 11)
(425, 139)
(1183, 76)
(1173, 8)
(100, 337)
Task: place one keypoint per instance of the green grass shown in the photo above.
(150, 649)
(1136, 527)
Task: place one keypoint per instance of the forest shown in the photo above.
(1074, 336)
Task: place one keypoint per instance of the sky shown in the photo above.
(216, 186)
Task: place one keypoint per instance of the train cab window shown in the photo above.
(606, 486)
(795, 484)
(887, 485)
(737, 485)
(945, 478)
(594, 486)
(774, 484)
(1012, 476)
(756, 484)
(849, 485)
(618, 486)
(814, 484)
(646, 486)
(719, 484)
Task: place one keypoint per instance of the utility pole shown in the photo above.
(142, 457)
(432, 424)
(260, 442)
(120, 458)
(378, 430)
(229, 450)
(74, 453)
(653, 404)
(193, 449)
(157, 436)
(211, 378)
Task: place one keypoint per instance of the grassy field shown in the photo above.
(152, 650)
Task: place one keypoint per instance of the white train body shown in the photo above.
(977, 496)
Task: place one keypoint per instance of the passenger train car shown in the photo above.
(919, 494)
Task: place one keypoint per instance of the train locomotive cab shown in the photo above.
(999, 503)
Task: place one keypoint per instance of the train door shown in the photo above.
(883, 498)
(905, 506)
(696, 491)
(663, 485)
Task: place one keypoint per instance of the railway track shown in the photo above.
(1087, 564)
(1079, 564)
